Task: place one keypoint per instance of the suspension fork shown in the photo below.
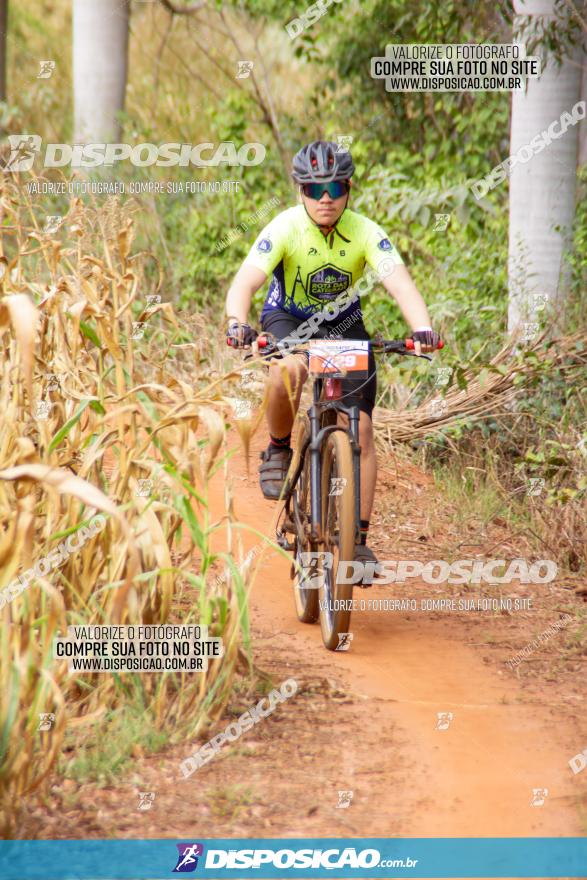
(315, 475)
(354, 431)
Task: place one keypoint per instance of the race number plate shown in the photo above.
(338, 357)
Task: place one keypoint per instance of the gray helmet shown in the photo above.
(321, 161)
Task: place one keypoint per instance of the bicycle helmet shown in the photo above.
(321, 161)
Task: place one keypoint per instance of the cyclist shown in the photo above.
(315, 252)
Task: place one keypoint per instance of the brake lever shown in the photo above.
(412, 354)
(253, 351)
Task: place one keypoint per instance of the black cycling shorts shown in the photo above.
(359, 392)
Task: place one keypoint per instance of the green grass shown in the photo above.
(228, 801)
(110, 745)
(472, 494)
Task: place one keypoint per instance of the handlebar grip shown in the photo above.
(410, 344)
(262, 342)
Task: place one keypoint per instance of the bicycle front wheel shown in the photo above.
(339, 529)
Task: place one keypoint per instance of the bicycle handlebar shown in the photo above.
(397, 346)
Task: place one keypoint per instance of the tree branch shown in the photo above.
(265, 105)
(158, 61)
(183, 10)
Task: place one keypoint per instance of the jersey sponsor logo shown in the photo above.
(264, 246)
(384, 244)
(275, 294)
(327, 283)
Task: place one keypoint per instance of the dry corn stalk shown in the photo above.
(89, 414)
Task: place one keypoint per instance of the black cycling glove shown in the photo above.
(239, 335)
(426, 336)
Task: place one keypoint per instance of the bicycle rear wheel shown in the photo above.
(338, 524)
(305, 597)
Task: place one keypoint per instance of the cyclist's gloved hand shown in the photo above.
(240, 335)
(425, 339)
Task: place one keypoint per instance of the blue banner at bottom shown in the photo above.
(283, 858)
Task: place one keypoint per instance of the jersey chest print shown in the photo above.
(322, 285)
(310, 270)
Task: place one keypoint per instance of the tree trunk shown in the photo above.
(100, 62)
(542, 189)
(3, 45)
(582, 157)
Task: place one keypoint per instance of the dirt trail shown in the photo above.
(475, 778)
(363, 721)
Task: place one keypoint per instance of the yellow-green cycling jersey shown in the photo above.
(310, 268)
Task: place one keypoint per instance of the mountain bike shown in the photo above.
(321, 495)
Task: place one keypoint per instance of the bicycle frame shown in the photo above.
(318, 435)
(336, 533)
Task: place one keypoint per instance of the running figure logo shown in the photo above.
(531, 331)
(153, 300)
(244, 69)
(46, 720)
(539, 795)
(187, 860)
(52, 382)
(53, 223)
(23, 149)
(312, 564)
(337, 485)
(344, 141)
(441, 222)
(46, 69)
(443, 720)
(344, 800)
(42, 409)
(146, 800)
(344, 642)
(144, 488)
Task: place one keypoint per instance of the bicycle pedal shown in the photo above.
(284, 543)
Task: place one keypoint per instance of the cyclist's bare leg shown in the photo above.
(284, 389)
(368, 462)
(368, 465)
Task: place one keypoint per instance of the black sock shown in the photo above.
(282, 442)
(363, 530)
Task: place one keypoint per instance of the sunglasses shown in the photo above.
(335, 189)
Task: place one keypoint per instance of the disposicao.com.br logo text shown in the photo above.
(331, 859)
(24, 148)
